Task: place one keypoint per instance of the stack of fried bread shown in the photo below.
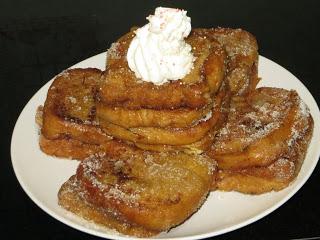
(136, 192)
(152, 153)
(178, 115)
(264, 141)
(85, 108)
(68, 118)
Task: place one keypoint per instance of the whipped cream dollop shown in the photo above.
(158, 52)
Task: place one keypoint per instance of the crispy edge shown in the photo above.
(160, 212)
(69, 198)
(127, 90)
(242, 54)
(59, 127)
(195, 148)
(176, 118)
(264, 150)
(258, 180)
(68, 148)
(175, 136)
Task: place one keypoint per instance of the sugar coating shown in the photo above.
(301, 124)
(113, 51)
(267, 113)
(131, 178)
(283, 169)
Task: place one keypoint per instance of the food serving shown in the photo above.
(175, 115)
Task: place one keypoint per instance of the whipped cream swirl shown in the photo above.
(158, 52)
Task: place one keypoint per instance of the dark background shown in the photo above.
(38, 39)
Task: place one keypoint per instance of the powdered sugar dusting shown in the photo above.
(303, 109)
(64, 73)
(235, 46)
(301, 124)
(206, 117)
(72, 99)
(132, 179)
(283, 169)
(113, 51)
(251, 121)
(92, 168)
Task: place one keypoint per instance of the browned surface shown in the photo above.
(150, 190)
(242, 55)
(263, 143)
(120, 88)
(68, 148)
(276, 176)
(194, 148)
(260, 148)
(170, 136)
(70, 199)
(70, 130)
(69, 110)
(176, 118)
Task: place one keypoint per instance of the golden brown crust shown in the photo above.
(276, 176)
(168, 136)
(75, 149)
(177, 118)
(67, 144)
(68, 148)
(120, 87)
(151, 190)
(258, 129)
(194, 148)
(70, 198)
(263, 143)
(242, 51)
(69, 110)
(151, 135)
(264, 150)
(143, 192)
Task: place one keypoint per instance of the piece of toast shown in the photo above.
(138, 192)
(68, 118)
(71, 199)
(264, 141)
(120, 87)
(69, 110)
(242, 57)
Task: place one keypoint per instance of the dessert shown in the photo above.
(175, 115)
(68, 121)
(242, 57)
(138, 192)
(264, 141)
(169, 114)
(121, 87)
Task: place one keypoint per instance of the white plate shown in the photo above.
(41, 176)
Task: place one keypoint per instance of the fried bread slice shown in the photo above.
(69, 110)
(68, 148)
(194, 148)
(276, 176)
(264, 141)
(168, 136)
(176, 118)
(70, 198)
(259, 128)
(242, 51)
(120, 88)
(136, 188)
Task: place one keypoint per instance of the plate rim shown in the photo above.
(94, 232)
